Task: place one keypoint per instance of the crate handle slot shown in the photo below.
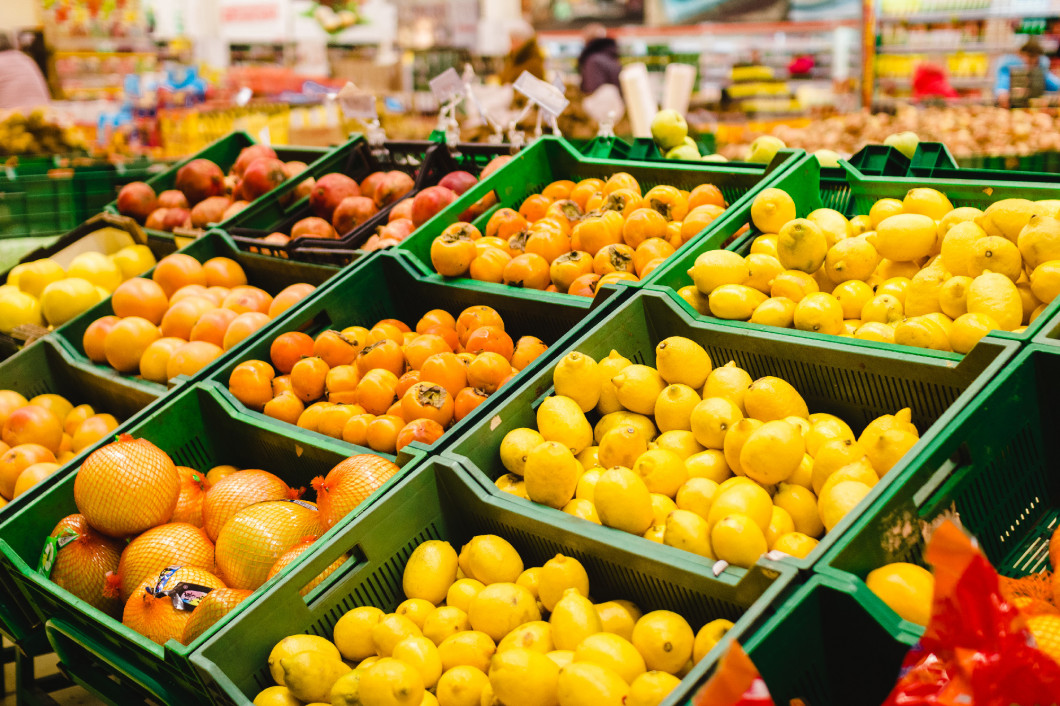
(68, 642)
(340, 575)
(945, 470)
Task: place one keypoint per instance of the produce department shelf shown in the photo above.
(857, 384)
(439, 502)
(198, 428)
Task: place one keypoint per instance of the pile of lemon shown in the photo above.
(477, 629)
(695, 457)
(915, 272)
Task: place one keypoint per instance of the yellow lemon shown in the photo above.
(968, 329)
(883, 209)
(665, 641)
(882, 309)
(708, 636)
(889, 448)
(715, 268)
(535, 635)
(462, 592)
(561, 657)
(417, 609)
(561, 419)
(444, 621)
(309, 676)
(618, 617)
(772, 452)
(470, 647)
(681, 442)
(832, 223)
(688, 531)
(1029, 299)
(996, 296)
(795, 544)
(744, 498)
(655, 534)
(775, 311)
(37, 275)
(734, 441)
(587, 484)
(557, 575)
(819, 313)
(682, 361)
(801, 506)
(524, 678)
(735, 302)
(860, 224)
(852, 296)
(499, 608)
(292, 645)
(608, 368)
(662, 471)
(763, 270)
(588, 684)
(430, 571)
(422, 655)
(1039, 241)
(929, 202)
(737, 539)
(765, 244)
(390, 682)
(515, 446)
(353, 633)
(461, 686)
(964, 214)
(996, 254)
(958, 247)
(895, 269)
(874, 331)
(583, 509)
(729, 381)
(843, 497)
(803, 475)
(860, 471)
(695, 299)
(1006, 217)
(801, 246)
(851, 259)
(697, 495)
(793, 285)
(97, 268)
(612, 652)
(611, 421)
(771, 210)
(512, 484)
(551, 474)
(770, 398)
(638, 386)
(623, 501)
(780, 524)
(902, 419)
(390, 630)
(661, 506)
(573, 619)
(711, 420)
(823, 429)
(276, 696)
(492, 559)
(907, 236)
(921, 332)
(833, 455)
(907, 588)
(953, 296)
(577, 376)
(1045, 282)
(673, 407)
(651, 688)
(589, 457)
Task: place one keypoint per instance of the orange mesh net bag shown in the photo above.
(127, 487)
(192, 491)
(172, 544)
(349, 483)
(80, 559)
(162, 606)
(217, 604)
(232, 493)
(296, 551)
(252, 541)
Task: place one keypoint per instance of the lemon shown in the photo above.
(1039, 241)
(573, 619)
(711, 420)
(715, 268)
(883, 209)
(462, 591)
(964, 214)
(775, 311)
(770, 398)
(557, 575)
(515, 446)
(608, 368)
(417, 609)
(958, 247)
(422, 655)
(310, 675)
(623, 501)
(772, 452)
(697, 495)
(487, 697)
(36, 275)
(763, 270)
(637, 387)
(921, 332)
(695, 299)
(907, 589)
(793, 285)
(612, 652)
(839, 500)
(734, 441)
(852, 296)
(682, 361)
(824, 428)
(735, 302)
(665, 641)
(470, 647)
(851, 259)
(745, 498)
(662, 471)
(609, 421)
(577, 376)
(681, 442)
(522, 677)
(819, 313)
(861, 471)
(1045, 281)
(895, 269)
(536, 636)
(765, 244)
(824, 282)
(561, 657)
(492, 559)
(1038, 311)
(621, 446)
(795, 544)
(442, 622)
(655, 533)
(899, 420)
(1006, 217)
(907, 236)
(801, 505)
(929, 202)
(889, 448)
(390, 630)
(803, 475)
(673, 408)
(276, 696)
(97, 268)
(686, 530)
(651, 688)
(996, 295)
(499, 608)
(729, 381)
(780, 524)
(708, 636)
(461, 686)
(618, 617)
(1029, 300)
(551, 474)
(353, 632)
(346, 691)
(968, 329)
(708, 465)
(874, 331)
(996, 254)
(583, 509)
(860, 224)
(771, 210)
(561, 419)
(801, 245)
(953, 296)
(883, 309)
(1046, 207)
(587, 484)
(832, 223)
(661, 506)
(588, 684)
(831, 456)
(802, 423)
(512, 484)
(294, 644)
(430, 571)
(738, 540)
(589, 457)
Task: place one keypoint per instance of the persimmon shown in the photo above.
(141, 297)
(340, 384)
(425, 431)
(534, 207)
(504, 223)
(451, 254)
(308, 377)
(528, 270)
(280, 384)
(584, 190)
(566, 213)
(527, 350)
(435, 317)
(490, 338)
(356, 429)
(489, 265)
(182, 316)
(289, 348)
(154, 363)
(473, 317)
(212, 325)
(242, 326)
(641, 225)
(698, 220)
(288, 297)
(624, 202)
(466, 401)
(487, 370)
(285, 406)
(614, 258)
(650, 250)
(559, 189)
(178, 270)
(385, 354)
(462, 229)
(585, 286)
(445, 369)
(613, 277)
(568, 267)
(335, 348)
(593, 234)
(427, 400)
(223, 272)
(673, 234)
(547, 243)
(333, 420)
(310, 416)
(395, 410)
(376, 390)
(382, 433)
(406, 381)
(447, 334)
(517, 243)
(668, 201)
(250, 382)
(244, 299)
(621, 180)
(483, 244)
(705, 195)
(386, 330)
(650, 267)
(94, 336)
(423, 347)
(465, 358)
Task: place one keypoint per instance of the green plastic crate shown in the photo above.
(268, 273)
(37, 205)
(388, 286)
(439, 502)
(551, 158)
(856, 384)
(995, 466)
(200, 429)
(851, 194)
(98, 185)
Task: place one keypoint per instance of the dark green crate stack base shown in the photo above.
(856, 384)
(268, 273)
(549, 159)
(200, 429)
(37, 205)
(388, 286)
(851, 193)
(438, 502)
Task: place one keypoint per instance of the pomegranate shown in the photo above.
(200, 179)
(171, 198)
(262, 176)
(137, 199)
(329, 192)
(209, 210)
(458, 182)
(352, 212)
(392, 187)
(248, 155)
(313, 227)
(430, 202)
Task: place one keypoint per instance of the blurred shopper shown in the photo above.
(598, 63)
(22, 84)
(525, 54)
(1021, 78)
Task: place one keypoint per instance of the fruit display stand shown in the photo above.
(856, 383)
(197, 428)
(268, 273)
(993, 466)
(224, 153)
(427, 162)
(852, 193)
(440, 502)
(552, 158)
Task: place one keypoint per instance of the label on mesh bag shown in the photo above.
(303, 503)
(50, 553)
(185, 596)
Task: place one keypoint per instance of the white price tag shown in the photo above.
(549, 98)
(264, 137)
(357, 104)
(244, 96)
(447, 85)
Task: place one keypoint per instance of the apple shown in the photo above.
(669, 129)
(904, 142)
(764, 149)
(714, 158)
(827, 158)
(683, 151)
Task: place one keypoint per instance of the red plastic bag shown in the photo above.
(735, 683)
(976, 649)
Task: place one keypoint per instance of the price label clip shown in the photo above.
(449, 89)
(543, 94)
(356, 104)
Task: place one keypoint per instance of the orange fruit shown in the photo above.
(33, 424)
(192, 357)
(93, 339)
(235, 491)
(181, 318)
(288, 297)
(245, 299)
(212, 325)
(154, 363)
(140, 297)
(178, 270)
(242, 326)
(349, 484)
(223, 272)
(17, 459)
(153, 615)
(93, 429)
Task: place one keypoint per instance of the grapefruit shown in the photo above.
(192, 492)
(296, 551)
(256, 536)
(171, 544)
(349, 483)
(217, 604)
(234, 492)
(150, 611)
(81, 566)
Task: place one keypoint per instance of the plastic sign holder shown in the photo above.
(548, 99)
(356, 104)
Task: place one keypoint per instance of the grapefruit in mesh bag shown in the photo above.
(293, 553)
(217, 604)
(127, 487)
(172, 544)
(192, 491)
(256, 536)
(349, 483)
(150, 610)
(82, 566)
(232, 493)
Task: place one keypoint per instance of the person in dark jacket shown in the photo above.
(525, 54)
(598, 63)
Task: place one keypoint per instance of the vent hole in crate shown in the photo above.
(192, 454)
